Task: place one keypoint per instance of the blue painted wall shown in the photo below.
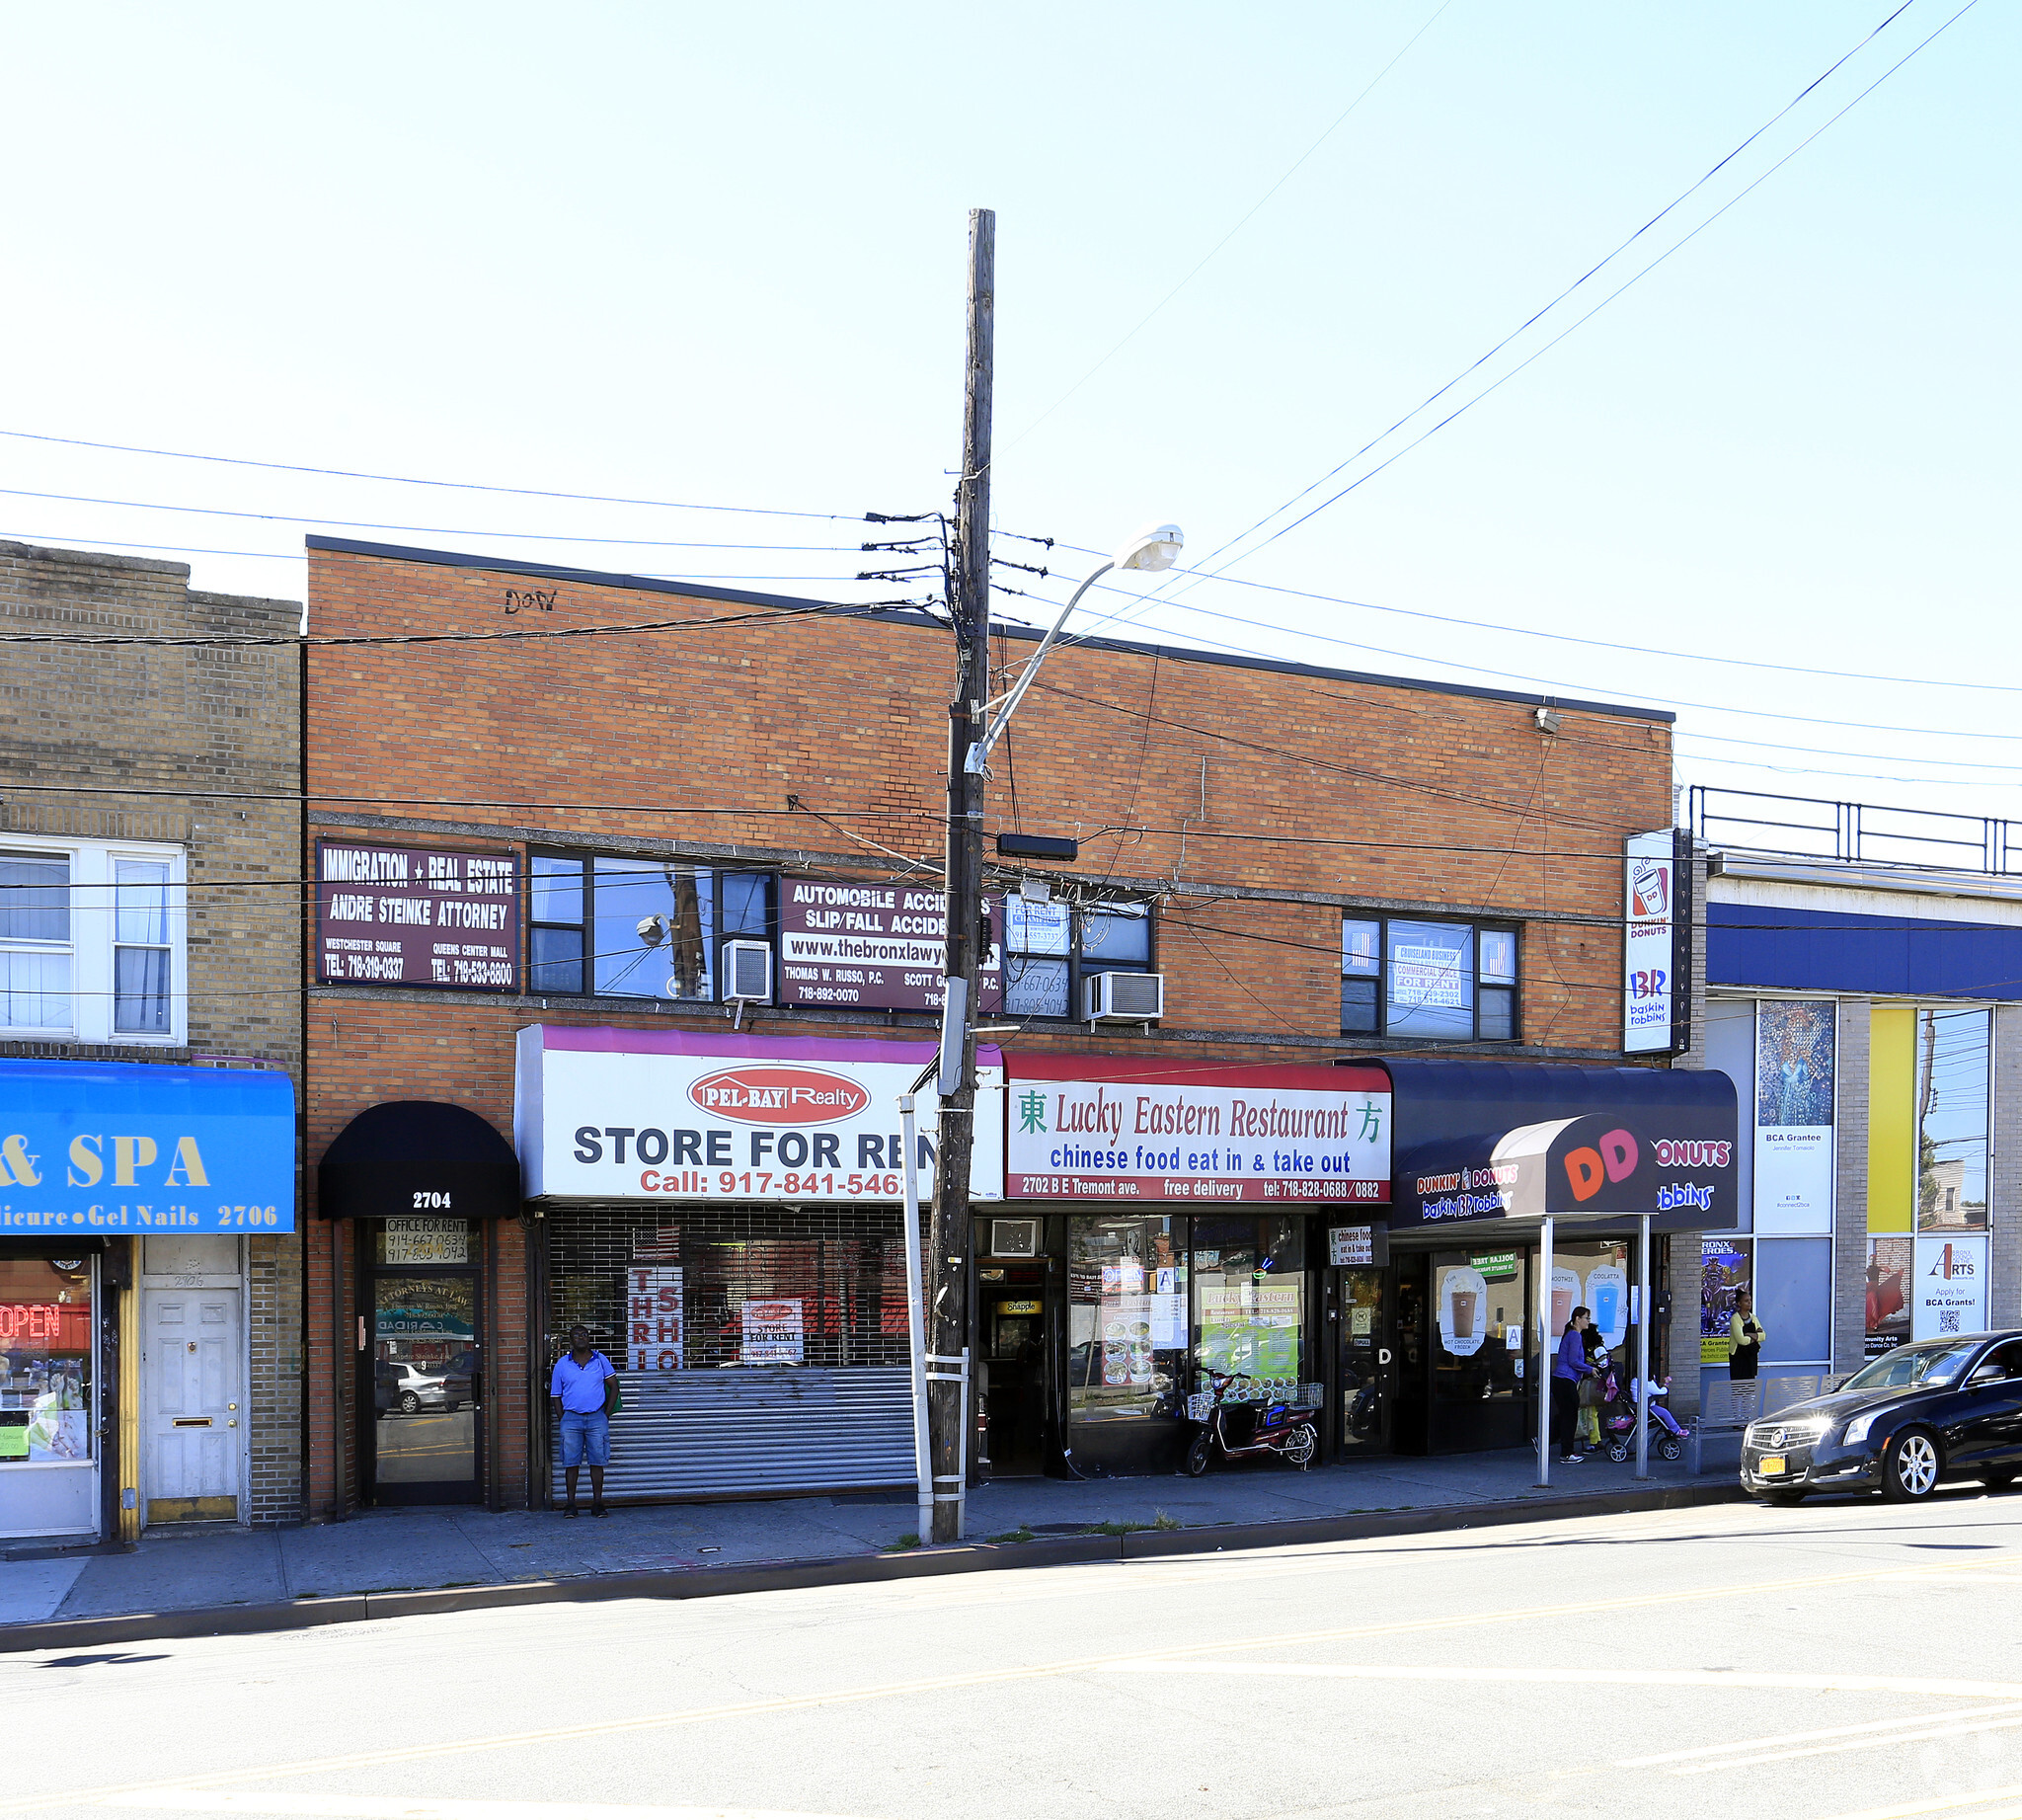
(1828, 951)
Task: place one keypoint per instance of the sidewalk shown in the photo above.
(386, 1551)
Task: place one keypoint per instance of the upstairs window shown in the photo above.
(91, 942)
(637, 928)
(1435, 981)
(1051, 947)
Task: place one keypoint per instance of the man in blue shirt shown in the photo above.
(581, 1390)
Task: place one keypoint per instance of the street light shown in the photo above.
(1157, 547)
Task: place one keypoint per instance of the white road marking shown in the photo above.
(400, 1807)
(1949, 1804)
(1579, 1677)
(1801, 1737)
(1905, 1736)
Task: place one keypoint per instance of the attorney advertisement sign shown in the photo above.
(1086, 1128)
(883, 947)
(399, 916)
(679, 1115)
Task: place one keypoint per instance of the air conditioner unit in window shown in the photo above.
(748, 971)
(1123, 997)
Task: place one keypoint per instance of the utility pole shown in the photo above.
(948, 1261)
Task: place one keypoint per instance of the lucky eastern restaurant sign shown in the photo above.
(1083, 1128)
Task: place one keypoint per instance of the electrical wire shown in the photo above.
(1591, 273)
(463, 486)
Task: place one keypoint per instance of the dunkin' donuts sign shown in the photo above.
(678, 1115)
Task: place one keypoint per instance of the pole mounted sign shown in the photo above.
(1656, 943)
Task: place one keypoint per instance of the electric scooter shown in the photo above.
(1238, 1415)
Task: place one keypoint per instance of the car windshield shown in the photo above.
(1911, 1365)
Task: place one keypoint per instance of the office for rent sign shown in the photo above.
(883, 947)
(396, 915)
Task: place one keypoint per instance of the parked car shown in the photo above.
(415, 1389)
(1903, 1423)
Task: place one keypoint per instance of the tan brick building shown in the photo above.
(1282, 844)
(150, 931)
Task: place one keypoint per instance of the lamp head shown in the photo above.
(1157, 547)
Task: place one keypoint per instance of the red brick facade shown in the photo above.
(1251, 803)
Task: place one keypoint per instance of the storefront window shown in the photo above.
(1726, 1272)
(45, 1351)
(1952, 1059)
(1126, 1317)
(1250, 1296)
(1442, 981)
(1481, 1332)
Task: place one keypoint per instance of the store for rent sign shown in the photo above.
(1077, 1131)
(881, 947)
(661, 1115)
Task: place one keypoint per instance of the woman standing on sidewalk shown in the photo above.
(1567, 1371)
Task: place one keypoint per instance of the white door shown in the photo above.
(195, 1401)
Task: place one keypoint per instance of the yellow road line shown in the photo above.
(2009, 1691)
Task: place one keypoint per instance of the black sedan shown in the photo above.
(1917, 1416)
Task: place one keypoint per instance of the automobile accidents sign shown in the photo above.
(676, 1115)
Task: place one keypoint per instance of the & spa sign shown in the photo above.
(1085, 1128)
(679, 1115)
(112, 1146)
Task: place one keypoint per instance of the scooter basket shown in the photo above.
(1199, 1405)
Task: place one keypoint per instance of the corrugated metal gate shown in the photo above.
(713, 1434)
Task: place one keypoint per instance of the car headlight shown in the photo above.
(1857, 1429)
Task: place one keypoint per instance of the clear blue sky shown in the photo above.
(717, 255)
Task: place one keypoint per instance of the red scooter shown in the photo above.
(1238, 1414)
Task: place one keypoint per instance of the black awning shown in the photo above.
(1479, 1140)
(56, 1244)
(417, 1156)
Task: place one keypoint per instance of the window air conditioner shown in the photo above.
(748, 971)
(1014, 1238)
(1123, 997)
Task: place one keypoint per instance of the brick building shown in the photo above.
(549, 862)
(150, 1033)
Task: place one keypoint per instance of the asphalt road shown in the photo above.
(1815, 1664)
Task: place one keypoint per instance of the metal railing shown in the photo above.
(1817, 827)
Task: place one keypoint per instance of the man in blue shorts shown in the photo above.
(580, 1392)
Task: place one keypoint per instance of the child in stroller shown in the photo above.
(1618, 1421)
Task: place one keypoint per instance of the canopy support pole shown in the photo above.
(1544, 1351)
(1642, 1347)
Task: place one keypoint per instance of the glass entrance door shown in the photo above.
(1368, 1363)
(1012, 1306)
(428, 1388)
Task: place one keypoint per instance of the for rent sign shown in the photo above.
(1084, 1128)
(678, 1115)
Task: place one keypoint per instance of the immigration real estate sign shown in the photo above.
(1086, 1128)
(396, 915)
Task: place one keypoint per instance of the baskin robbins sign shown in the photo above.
(1086, 1128)
(677, 1115)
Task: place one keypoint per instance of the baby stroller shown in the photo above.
(1618, 1421)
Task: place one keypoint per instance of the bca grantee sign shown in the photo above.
(883, 947)
(388, 916)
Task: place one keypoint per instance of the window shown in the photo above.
(90, 941)
(46, 1353)
(637, 928)
(1051, 947)
(1442, 982)
(1127, 1323)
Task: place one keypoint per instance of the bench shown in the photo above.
(1730, 1404)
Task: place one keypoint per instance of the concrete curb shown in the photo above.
(841, 1571)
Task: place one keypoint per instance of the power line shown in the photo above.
(1675, 202)
(426, 531)
(1581, 321)
(1212, 252)
(464, 485)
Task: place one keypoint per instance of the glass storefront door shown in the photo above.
(427, 1386)
(1127, 1342)
(1013, 1357)
(1368, 1362)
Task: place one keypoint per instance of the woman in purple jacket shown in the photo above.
(1567, 1370)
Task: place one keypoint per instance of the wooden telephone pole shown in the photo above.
(947, 1274)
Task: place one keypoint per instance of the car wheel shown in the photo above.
(1198, 1454)
(1999, 1481)
(1911, 1466)
(1787, 1499)
(409, 1402)
(452, 1405)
